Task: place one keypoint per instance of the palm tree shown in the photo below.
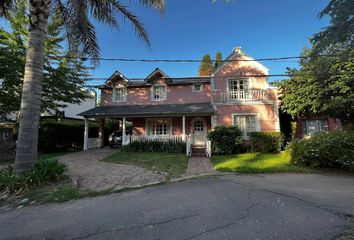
(76, 16)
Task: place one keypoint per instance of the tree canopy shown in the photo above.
(324, 83)
(206, 67)
(63, 77)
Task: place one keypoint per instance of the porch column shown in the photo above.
(123, 132)
(214, 121)
(101, 132)
(184, 128)
(86, 134)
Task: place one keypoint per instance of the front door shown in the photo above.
(198, 131)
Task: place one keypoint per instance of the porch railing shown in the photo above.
(248, 95)
(162, 138)
(188, 145)
(208, 147)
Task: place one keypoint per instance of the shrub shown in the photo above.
(156, 146)
(266, 142)
(45, 171)
(333, 149)
(225, 140)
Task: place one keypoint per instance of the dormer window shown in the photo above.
(159, 92)
(120, 94)
(197, 87)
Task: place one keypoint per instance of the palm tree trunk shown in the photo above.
(26, 153)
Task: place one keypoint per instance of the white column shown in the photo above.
(86, 134)
(184, 128)
(123, 132)
(214, 121)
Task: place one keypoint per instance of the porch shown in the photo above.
(187, 123)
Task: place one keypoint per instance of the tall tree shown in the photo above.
(206, 66)
(77, 18)
(63, 78)
(324, 84)
(218, 59)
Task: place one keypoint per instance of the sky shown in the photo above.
(190, 29)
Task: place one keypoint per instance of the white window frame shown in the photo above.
(246, 86)
(153, 95)
(153, 133)
(244, 131)
(321, 128)
(201, 87)
(125, 93)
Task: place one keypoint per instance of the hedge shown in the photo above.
(334, 149)
(225, 140)
(266, 142)
(156, 146)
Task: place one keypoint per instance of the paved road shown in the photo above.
(286, 206)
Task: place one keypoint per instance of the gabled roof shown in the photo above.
(158, 72)
(117, 75)
(236, 51)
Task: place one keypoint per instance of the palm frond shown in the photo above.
(159, 4)
(6, 6)
(138, 26)
(103, 11)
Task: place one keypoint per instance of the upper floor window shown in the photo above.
(159, 92)
(120, 94)
(237, 85)
(197, 87)
(312, 127)
(247, 123)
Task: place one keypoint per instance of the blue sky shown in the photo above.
(190, 29)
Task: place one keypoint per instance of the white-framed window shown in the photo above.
(237, 88)
(159, 92)
(247, 123)
(120, 94)
(197, 87)
(312, 127)
(158, 127)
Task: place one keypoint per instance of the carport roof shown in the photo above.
(150, 110)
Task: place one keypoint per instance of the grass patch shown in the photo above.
(256, 163)
(173, 164)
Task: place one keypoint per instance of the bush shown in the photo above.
(156, 146)
(333, 149)
(45, 171)
(266, 142)
(63, 136)
(225, 140)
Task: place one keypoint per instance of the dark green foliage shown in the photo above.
(63, 78)
(225, 140)
(333, 149)
(206, 67)
(218, 60)
(45, 171)
(156, 146)
(63, 136)
(266, 142)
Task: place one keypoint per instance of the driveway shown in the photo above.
(90, 173)
(286, 206)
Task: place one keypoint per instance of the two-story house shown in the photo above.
(237, 93)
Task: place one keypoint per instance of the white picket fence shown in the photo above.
(188, 145)
(93, 143)
(162, 138)
(208, 147)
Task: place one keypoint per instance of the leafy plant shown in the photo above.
(225, 140)
(266, 142)
(333, 149)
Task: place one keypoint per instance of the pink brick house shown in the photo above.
(237, 93)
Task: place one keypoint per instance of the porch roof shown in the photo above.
(150, 110)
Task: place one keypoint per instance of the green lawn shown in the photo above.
(173, 164)
(255, 163)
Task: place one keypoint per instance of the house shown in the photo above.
(162, 107)
(71, 110)
(306, 127)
